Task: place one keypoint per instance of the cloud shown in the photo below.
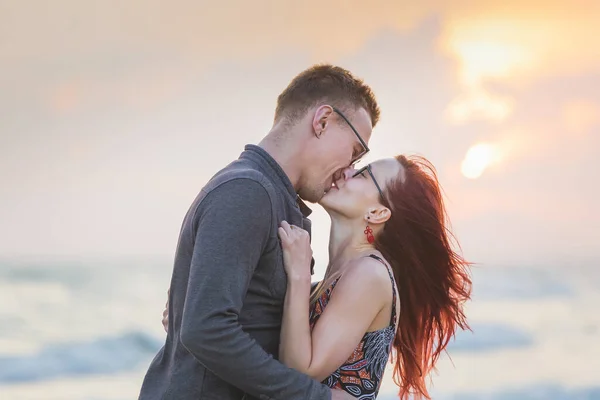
(117, 50)
(116, 112)
(581, 116)
(519, 39)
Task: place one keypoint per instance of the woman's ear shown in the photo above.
(378, 215)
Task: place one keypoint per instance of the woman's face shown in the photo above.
(355, 194)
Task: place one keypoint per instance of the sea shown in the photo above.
(87, 330)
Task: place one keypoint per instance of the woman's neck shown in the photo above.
(347, 241)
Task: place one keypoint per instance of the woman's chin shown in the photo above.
(332, 202)
(327, 199)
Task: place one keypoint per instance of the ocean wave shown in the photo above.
(100, 356)
(533, 392)
(522, 283)
(490, 282)
(64, 273)
(490, 337)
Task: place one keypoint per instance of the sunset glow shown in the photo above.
(478, 158)
(478, 103)
(113, 120)
(493, 47)
(482, 59)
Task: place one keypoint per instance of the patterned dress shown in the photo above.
(361, 374)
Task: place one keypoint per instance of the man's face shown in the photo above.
(339, 142)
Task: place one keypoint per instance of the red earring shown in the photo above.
(369, 233)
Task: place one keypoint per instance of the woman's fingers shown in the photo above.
(283, 236)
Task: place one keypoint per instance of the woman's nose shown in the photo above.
(349, 173)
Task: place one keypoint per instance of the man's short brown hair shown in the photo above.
(325, 84)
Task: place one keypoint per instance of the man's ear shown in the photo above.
(321, 120)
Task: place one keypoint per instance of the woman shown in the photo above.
(393, 285)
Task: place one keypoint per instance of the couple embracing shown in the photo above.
(244, 320)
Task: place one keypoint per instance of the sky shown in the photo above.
(113, 114)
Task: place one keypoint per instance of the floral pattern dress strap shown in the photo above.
(361, 374)
(391, 274)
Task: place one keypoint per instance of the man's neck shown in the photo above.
(281, 146)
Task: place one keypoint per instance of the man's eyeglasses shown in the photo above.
(368, 169)
(360, 139)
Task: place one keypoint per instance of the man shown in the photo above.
(228, 284)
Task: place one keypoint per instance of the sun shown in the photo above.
(496, 47)
(478, 158)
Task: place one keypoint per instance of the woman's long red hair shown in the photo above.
(433, 280)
